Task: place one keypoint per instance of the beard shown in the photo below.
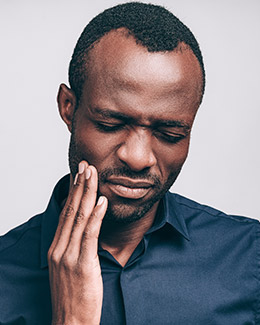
(126, 211)
(123, 211)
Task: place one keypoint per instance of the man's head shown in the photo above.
(132, 116)
(152, 26)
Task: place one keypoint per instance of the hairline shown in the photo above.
(181, 45)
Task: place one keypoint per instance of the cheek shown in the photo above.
(171, 159)
(95, 147)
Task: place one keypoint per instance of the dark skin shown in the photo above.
(134, 119)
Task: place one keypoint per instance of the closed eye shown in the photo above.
(109, 127)
(169, 136)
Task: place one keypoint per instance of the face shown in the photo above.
(134, 120)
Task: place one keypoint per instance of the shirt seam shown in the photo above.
(221, 214)
(18, 239)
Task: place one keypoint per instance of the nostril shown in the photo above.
(136, 157)
(136, 150)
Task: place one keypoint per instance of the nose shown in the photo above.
(136, 151)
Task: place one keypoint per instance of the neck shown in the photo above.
(120, 240)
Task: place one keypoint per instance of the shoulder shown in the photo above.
(192, 208)
(23, 281)
(203, 221)
(225, 246)
(21, 233)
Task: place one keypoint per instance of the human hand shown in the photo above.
(74, 268)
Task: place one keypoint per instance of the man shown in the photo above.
(114, 244)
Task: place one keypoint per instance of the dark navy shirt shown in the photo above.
(196, 265)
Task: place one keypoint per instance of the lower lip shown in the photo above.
(128, 192)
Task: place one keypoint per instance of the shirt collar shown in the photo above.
(170, 214)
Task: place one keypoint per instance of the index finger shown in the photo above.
(71, 206)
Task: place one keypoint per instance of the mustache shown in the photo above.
(126, 172)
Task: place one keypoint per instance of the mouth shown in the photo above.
(129, 188)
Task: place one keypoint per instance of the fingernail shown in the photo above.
(76, 178)
(88, 173)
(100, 200)
(81, 168)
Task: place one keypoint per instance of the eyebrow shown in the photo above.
(107, 113)
(173, 124)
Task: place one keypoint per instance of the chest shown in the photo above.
(161, 285)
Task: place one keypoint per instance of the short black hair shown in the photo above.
(153, 26)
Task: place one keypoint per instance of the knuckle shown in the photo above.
(53, 257)
(93, 268)
(90, 233)
(94, 215)
(95, 219)
(80, 217)
(86, 188)
(68, 261)
(69, 212)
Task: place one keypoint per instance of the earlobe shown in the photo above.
(67, 103)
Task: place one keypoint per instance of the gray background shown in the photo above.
(37, 40)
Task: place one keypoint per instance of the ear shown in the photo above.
(67, 103)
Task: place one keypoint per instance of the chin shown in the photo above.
(127, 213)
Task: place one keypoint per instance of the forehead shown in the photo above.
(120, 70)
